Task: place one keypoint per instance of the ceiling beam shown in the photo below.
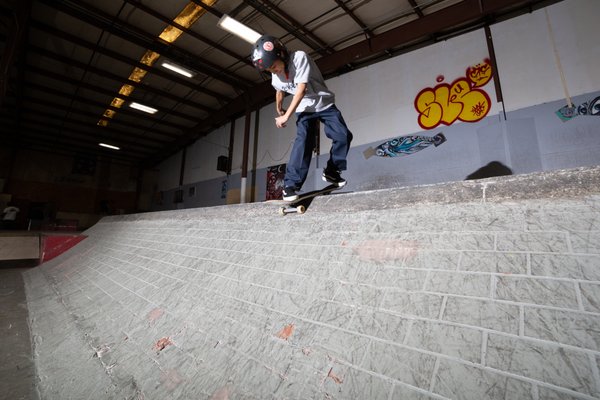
(132, 34)
(160, 138)
(105, 74)
(16, 32)
(138, 4)
(156, 118)
(84, 129)
(126, 60)
(463, 13)
(62, 132)
(59, 144)
(293, 27)
(416, 8)
(358, 21)
(101, 155)
(94, 116)
(82, 100)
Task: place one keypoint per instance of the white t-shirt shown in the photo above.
(302, 69)
(10, 213)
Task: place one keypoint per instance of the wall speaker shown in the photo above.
(222, 163)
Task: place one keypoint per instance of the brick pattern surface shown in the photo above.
(472, 300)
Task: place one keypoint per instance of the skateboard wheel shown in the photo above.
(281, 210)
(301, 209)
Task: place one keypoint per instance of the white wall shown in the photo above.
(201, 157)
(378, 101)
(169, 172)
(274, 145)
(526, 62)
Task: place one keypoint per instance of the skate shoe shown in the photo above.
(289, 193)
(334, 178)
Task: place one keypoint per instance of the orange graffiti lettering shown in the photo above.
(480, 74)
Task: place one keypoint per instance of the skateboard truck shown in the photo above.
(300, 204)
(289, 210)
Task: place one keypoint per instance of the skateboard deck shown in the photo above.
(301, 203)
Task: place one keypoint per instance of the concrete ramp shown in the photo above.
(470, 290)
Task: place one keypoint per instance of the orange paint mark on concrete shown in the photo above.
(335, 378)
(386, 250)
(286, 332)
(155, 314)
(481, 73)
(171, 378)
(162, 343)
(221, 394)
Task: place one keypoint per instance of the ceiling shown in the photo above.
(70, 68)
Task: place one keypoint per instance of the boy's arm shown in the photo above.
(279, 102)
(282, 119)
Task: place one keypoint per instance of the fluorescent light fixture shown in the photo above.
(143, 108)
(238, 29)
(178, 69)
(109, 146)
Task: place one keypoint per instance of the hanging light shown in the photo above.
(109, 146)
(176, 68)
(143, 108)
(237, 28)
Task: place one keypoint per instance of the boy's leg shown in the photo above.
(301, 156)
(340, 135)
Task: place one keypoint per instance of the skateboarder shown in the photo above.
(297, 74)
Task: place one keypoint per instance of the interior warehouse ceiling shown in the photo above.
(70, 68)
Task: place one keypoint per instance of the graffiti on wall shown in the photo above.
(224, 188)
(589, 108)
(275, 177)
(404, 145)
(461, 100)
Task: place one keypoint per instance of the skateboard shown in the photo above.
(404, 145)
(302, 202)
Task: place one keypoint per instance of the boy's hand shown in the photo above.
(281, 121)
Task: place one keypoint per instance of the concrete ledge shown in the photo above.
(19, 247)
(569, 183)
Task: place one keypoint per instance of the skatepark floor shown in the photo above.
(17, 368)
(468, 290)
